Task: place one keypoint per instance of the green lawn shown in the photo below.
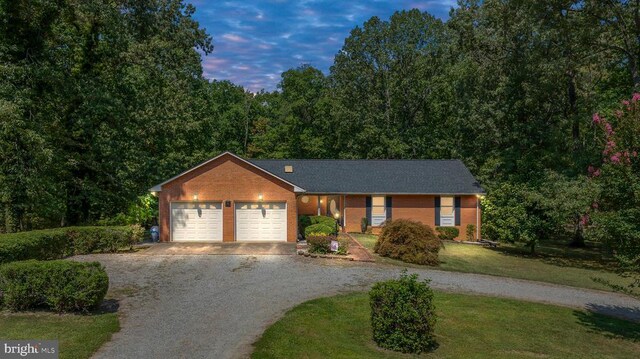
(79, 335)
(468, 327)
(554, 263)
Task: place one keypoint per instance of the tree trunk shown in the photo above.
(578, 237)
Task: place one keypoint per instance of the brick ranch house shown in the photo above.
(229, 198)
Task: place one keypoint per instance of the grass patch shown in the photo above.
(553, 263)
(468, 327)
(79, 335)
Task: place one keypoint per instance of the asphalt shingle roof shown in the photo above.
(376, 176)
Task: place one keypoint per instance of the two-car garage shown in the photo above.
(252, 221)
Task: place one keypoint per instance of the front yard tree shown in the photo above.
(616, 220)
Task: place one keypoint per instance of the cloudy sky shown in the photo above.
(255, 41)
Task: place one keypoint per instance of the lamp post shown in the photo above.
(337, 217)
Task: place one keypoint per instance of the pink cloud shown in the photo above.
(234, 38)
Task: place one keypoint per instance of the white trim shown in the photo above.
(158, 187)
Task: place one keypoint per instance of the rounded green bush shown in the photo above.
(447, 233)
(403, 314)
(408, 241)
(320, 228)
(328, 221)
(303, 223)
(59, 285)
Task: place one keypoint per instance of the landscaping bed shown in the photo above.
(354, 252)
(468, 326)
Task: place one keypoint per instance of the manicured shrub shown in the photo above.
(303, 223)
(58, 285)
(103, 239)
(319, 228)
(42, 244)
(410, 241)
(317, 224)
(447, 233)
(319, 243)
(403, 314)
(327, 221)
(61, 242)
(364, 223)
(471, 232)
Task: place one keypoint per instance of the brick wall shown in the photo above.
(355, 210)
(311, 208)
(419, 208)
(227, 178)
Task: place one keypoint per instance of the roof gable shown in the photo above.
(158, 187)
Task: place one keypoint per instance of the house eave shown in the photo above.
(158, 187)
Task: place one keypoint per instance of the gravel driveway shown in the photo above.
(202, 306)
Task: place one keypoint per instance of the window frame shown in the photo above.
(448, 217)
(378, 206)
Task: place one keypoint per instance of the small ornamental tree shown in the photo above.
(403, 315)
(615, 218)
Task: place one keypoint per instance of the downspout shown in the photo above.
(477, 217)
(344, 213)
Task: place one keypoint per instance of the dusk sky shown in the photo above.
(255, 41)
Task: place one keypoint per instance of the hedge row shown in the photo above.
(61, 242)
(58, 285)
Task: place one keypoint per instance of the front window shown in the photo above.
(378, 210)
(447, 212)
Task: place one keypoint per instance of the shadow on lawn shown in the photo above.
(599, 319)
(108, 306)
(562, 255)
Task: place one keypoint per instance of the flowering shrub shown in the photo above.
(615, 216)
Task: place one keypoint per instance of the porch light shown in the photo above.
(195, 196)
(480, 196)
(260, 197)
(155, 194)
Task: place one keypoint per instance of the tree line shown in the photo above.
(100, 100)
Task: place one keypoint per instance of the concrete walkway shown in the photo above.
(186, 248)
(216, 306)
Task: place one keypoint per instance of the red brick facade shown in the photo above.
(228, 178)
(416, 207)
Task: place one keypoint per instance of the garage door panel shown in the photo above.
(261, 221)
(196, 221)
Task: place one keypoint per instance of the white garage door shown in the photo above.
(261, 221)
(196, 222)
